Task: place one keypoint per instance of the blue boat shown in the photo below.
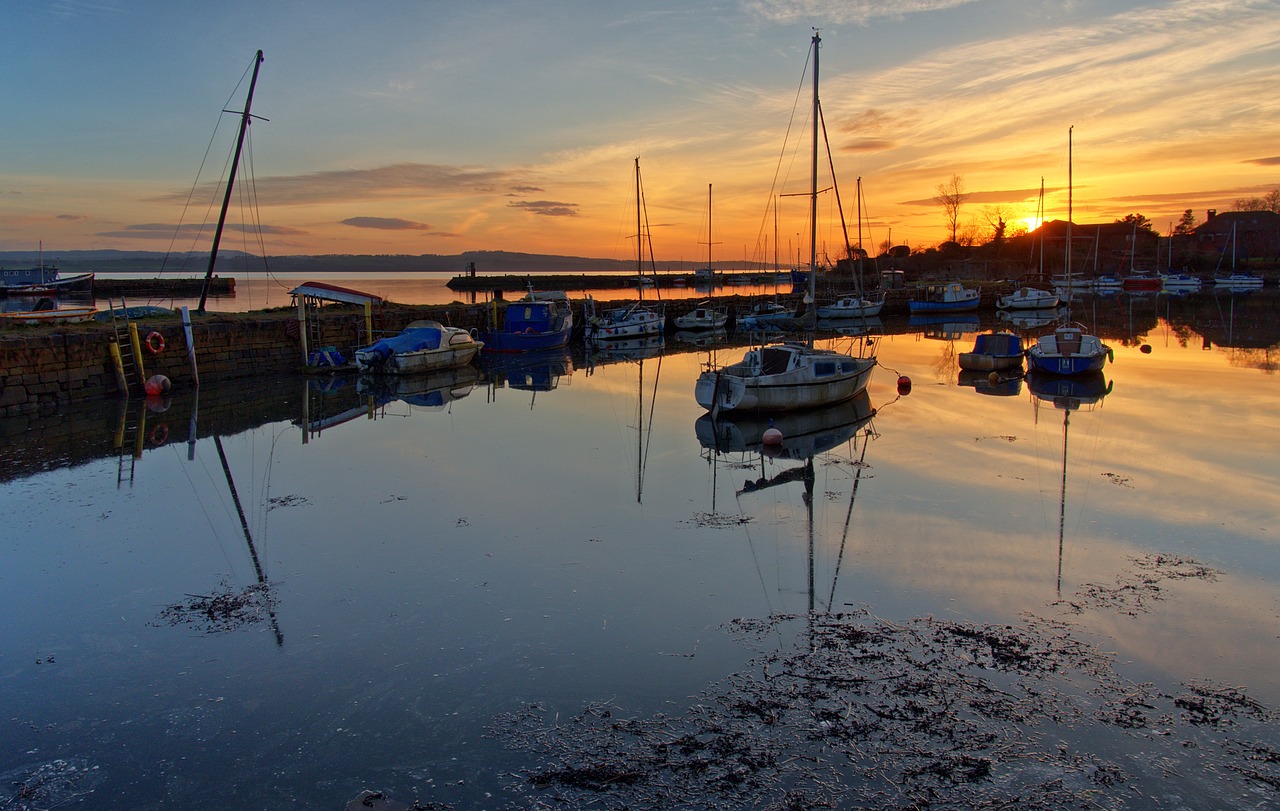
(993, 351)
(950, 297)
(1069, 350)
(537, 321)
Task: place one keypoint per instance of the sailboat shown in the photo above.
(1236, 281)
(705, 315)
(791, 375)
(635, 320)
(1069, 349)
(854, 305)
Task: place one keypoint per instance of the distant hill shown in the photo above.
(504, 262)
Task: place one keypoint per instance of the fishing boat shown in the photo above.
(993, 351)
(791, 375)
(949, 297)
(1068, 350)
(42, 280)
(635, 319)
(1028, 298)
(540, 320)
(423, 346)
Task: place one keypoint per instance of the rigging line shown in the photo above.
(204, 511)
(648, 237)
(777, 171)
(190, 195)
(255, 209)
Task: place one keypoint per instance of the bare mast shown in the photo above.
(226, 199)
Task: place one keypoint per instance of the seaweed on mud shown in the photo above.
(1134, 592)
(850, 710)
(223, 611)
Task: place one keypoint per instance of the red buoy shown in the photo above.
(904, 384)
(157, 384)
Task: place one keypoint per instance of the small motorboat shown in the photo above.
(1028, 298)
(423, 346)
(1069, 350)
(993, 351)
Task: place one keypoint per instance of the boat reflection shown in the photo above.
(945, 326)
(804, 434)
(1078, 393)
(1032, 319)
(433, 391)
(628, 349)
(992, 384)
(535, 372)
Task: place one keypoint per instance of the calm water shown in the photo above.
(256, 291)
(561, 533)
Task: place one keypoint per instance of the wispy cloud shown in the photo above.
(547, 208)
(170, 231)
(1272, 161)
(382, 182)
(845, 11)
(386, 224)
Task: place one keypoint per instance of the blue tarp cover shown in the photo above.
(411, 340)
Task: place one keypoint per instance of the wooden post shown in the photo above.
(118, 363)
(302, 326)
(137, 352)
(368, 322)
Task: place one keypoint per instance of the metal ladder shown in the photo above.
(128, 360)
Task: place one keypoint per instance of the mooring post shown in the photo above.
(191, 347)
(137, 352)
(302, 326)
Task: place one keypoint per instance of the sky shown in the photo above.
(433, 127)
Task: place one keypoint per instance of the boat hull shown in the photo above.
(422, 347)
(981, 362)
(824, 378)
(524, 341)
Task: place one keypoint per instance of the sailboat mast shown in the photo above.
(813, 178)
(710, 267)
(639, 233)
(226, 199)
(1069, 202)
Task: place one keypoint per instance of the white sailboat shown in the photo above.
(635, 320)
(706, 315)
(855, 304)
(792, 375)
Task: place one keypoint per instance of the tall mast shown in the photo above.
(709, 265)
(813, 179)
(226, 199)
(1069, 201)
(639, 233)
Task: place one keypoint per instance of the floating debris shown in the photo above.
(286, 501)
(720, 520)
(1134, 592)
(221, 612)
(56, 784)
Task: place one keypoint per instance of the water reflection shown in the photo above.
(480, 555)
(1066, 395)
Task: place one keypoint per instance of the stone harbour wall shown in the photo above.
(45, 367)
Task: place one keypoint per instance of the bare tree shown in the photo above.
(950, 195)
(1268, 202)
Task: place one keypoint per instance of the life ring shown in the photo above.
(160, 434)
(155, 343)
